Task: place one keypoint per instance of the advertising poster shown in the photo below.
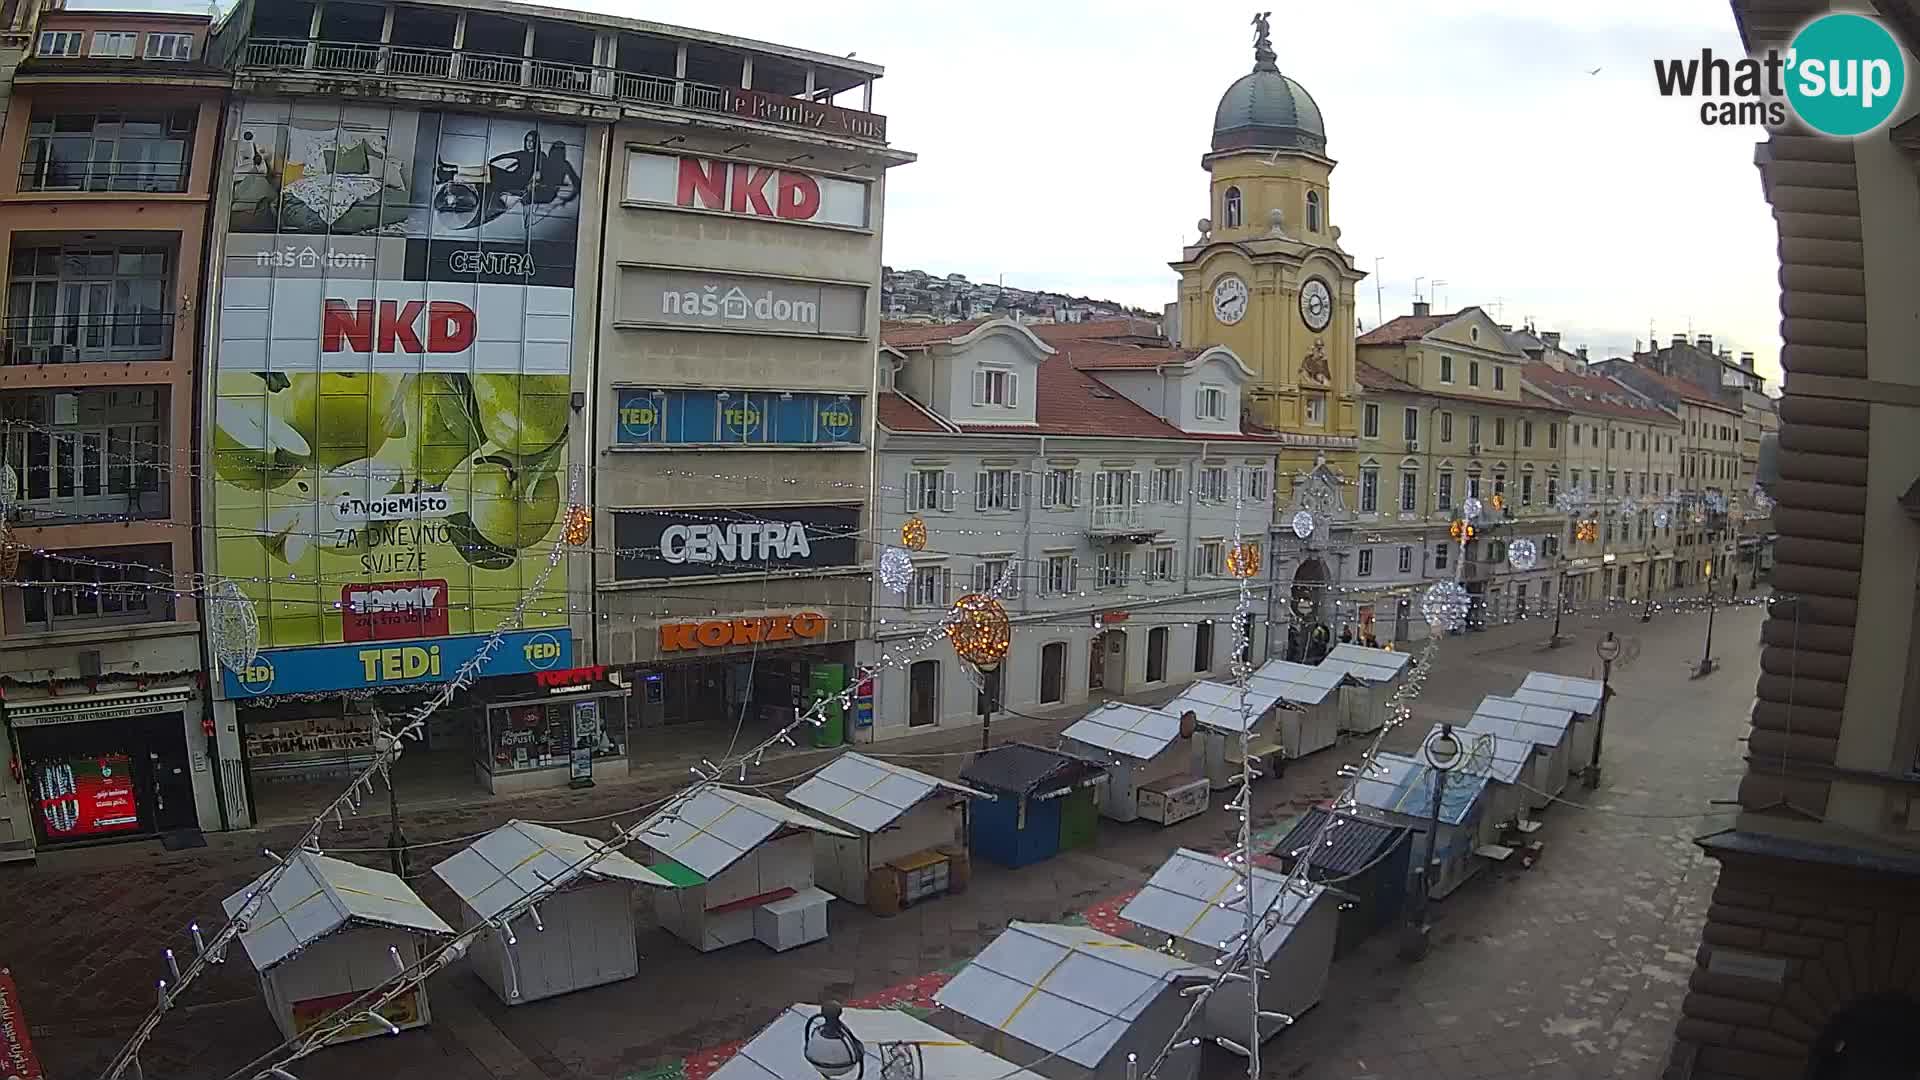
(394, 376)
(86, 796)
(404, 1011)
(17, 1059)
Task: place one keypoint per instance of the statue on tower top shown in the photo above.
(1264, 57)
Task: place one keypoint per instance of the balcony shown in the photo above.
(467, 68)
(98, 302)
(121, 152)
(84, 456)
(79, 339)
(99, 587)
(1121, 522)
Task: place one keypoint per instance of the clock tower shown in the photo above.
(1268, 278)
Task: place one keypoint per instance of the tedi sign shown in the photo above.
(1842, 76)
(745, 188)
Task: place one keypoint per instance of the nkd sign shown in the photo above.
(693, 542)
(745, 188)
(738, 302)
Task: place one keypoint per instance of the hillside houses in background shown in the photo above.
(917, 296)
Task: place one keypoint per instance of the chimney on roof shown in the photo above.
(1552, 338)
(1582, 350)
(1705, 343)
(1746, 360)
(1421, 307)
(1679, 339)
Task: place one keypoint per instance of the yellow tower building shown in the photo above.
(1268, 278)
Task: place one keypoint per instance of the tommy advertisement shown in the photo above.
(394, 384)
(706, 542)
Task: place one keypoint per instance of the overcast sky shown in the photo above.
(1059, 145)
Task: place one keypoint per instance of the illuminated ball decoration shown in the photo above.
(1522, 555)
(1762, 502)
(1498, 502)
(1463, 530)
(1470, 510)
(913, 534)
(1716, 502)
(1629, 507)
(1662, 517)
(1303, 523)
(1587, 532)
(1243, 560)
(1569, 501)
(579, 528)
(896, 570)
(1445, 606)
(233, 626)
(979, 630)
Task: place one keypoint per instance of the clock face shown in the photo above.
(1229, 300)
(1316, 304)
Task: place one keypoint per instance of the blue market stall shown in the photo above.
(1029, 819)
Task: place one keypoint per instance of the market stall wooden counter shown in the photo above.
(909, 832)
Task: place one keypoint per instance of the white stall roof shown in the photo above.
(870, 794)
(315, 896)
(778, 1052)
(1133, 731)
(1367, 665)
(1184, 899)
(519, 857)
(1298, 683)
(1403, 785)
(1506, 752)
(1544, 724)
(1071, 991)
(1561, 691)
(1217, 705)
(714, 829)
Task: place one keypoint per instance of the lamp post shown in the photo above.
(1559, 606)
(1442, 751)
(396, 840)
(989, 682)
(1609, 650)
(831, 1048)
(980, 634)
(1706, 653)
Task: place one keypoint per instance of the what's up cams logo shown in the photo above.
(1843, 75)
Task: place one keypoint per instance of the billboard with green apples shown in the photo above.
(394, 380)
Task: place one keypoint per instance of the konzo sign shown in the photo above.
(652, 297)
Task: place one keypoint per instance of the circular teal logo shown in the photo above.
(1846, 74)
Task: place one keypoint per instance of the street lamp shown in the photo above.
(831, 1048)
(980, 634)
(1559, 606)
(1442, 751)
(1609, 650)
(386, 731)
(1706, 654)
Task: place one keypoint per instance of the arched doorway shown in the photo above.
(1310, 604)
(1872, 1039)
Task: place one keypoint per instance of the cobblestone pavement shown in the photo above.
(1572, 969)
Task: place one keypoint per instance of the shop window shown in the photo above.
(923, 693)
(1203, 647)
(1053, 672)
(95, 587)
(1157, 654)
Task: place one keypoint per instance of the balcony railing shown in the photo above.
(79, 339)
(1116, 518)
(85, 176)
(549, 76)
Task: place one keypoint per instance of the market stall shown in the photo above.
(1072, 1003)
(327, 932)
(1043, 803)
(1220, 715)
(1399, 791)
(888, 1039)
(1365, 860)
(1195, 901)
(1512, 765)
(1311, 720)
(1373, 676)
(909, 832)
(1581, 697)
(741, 867)
(1548, 728)
(1148, 765)
(584, 933)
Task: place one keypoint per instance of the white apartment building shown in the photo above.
(1112, 480)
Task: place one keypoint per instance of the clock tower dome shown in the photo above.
(1268, 278)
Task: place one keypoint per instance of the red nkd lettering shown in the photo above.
(799, 196)
(394, 326)
(703, 184)
(750, 190)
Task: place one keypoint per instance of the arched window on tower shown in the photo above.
(1313, 211)
(1232, 210)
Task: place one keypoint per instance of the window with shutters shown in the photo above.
(929, 489)
(1061, 576)
(1114, 569)
(1473, 483)
(1553, 436)
(1060, 489)
(1212, 404)
(1473, 373)
(1446, 427)
(996, 386)
(1213, 483)
(1366, 562)
(1575, 429)
(1526, 433)
(1446, 369)
(1167, 485)
(1526, 489)
(1406, 558)
(1370, 421)
(1210, 558)
(1443, 492)
(1163, 563)
(1553, 490)
(1409, 491)
(1252, 483)
(1499, 377)
(997, 489)
(1410, 424)
(1473, 431)
(1499, 431)
(930, 588)
(988, 572)
(1369, 491)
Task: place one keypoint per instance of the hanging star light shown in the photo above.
(1243, 560)
(1470, 510)
(979, 630)
(1661, 516)
(913, 534)
(896, 570)
(1523, 554)
(233, 626)
(1570, 500)
(1445, 606)
(1304, 523)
